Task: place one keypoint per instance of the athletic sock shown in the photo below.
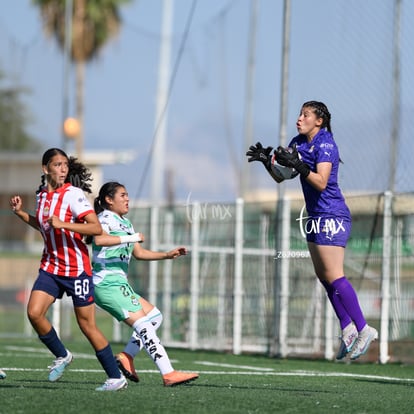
(152, 345)
(108, 362)
(54, 344)
(134, 345)
(155, 317)
(348, 297)
(340, 311)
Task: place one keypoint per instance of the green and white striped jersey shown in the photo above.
(112, 260)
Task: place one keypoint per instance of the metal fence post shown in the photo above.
(385, 279)
(167, 278)
(238, 279)
(195, 276)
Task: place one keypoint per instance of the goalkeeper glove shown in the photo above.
(291, 159)
(258, 153)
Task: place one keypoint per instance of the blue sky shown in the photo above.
(341, 53)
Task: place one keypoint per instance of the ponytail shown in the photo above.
(107, 190)
(79, 175)
(97, 206)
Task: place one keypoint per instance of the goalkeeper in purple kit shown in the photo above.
(315, 157)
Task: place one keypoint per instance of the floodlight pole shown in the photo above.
(387, 253)
(395, 133)
(248, 118)
(57, 306)
(158, 150)
(281, 278)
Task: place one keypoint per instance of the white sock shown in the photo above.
(148, 336)
(135, 344)
(155, 317)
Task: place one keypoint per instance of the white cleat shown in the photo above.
(58, 366)
(113, 384)
(365, 337)
(348, 339)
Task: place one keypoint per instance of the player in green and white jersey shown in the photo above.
(111, 255)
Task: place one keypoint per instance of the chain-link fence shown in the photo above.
(241, 290)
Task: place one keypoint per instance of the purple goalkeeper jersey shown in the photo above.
(321, 149)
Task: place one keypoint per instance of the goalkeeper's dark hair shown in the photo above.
(321, 111)
(107, 190)
(79, 175)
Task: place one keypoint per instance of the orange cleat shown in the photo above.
(126, 365)
(177, 377)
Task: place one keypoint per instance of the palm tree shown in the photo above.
(94, 22)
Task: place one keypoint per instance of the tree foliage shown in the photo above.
(94, 22)
(14, 120)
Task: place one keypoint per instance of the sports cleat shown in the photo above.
(2, 374)
(57, 369)
(126, 365)
(365, 337)
(348, 339)
(113, 384)
(177, 377)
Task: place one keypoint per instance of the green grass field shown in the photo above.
(227, 384)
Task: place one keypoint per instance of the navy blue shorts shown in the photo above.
(80, 288)
(328, 231)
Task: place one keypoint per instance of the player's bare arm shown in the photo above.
(105, 239)
(90, 227)
(140, 253)
(319, 179)
(17, 207)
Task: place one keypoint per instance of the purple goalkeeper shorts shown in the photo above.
(327, 230)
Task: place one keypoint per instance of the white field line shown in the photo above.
(247, 369)
(267, 374)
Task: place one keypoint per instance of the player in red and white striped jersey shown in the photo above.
(65, 253)
(63, 216)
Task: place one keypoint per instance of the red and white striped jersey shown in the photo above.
(64, 252)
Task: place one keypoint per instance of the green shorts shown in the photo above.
(116, 296)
